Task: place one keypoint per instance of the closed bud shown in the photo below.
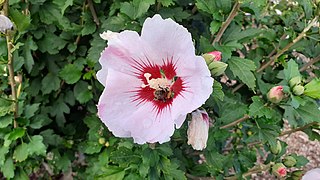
(296, 175)
(107, 144)
(313, 174)
(279, 170)
(275, 94)
(289, 161)
(198, 130)
(298, 90)
(102, 140)
(5, 24)
(217, 68)
(295, 81)
(212, 56)
(276, 149)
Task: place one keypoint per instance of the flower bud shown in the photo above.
(5, 24)
(296, 175)
(276, 149)
(298, 90)
(217, 68)
(212, 56)
(289, 161)
(198, 130)
(18, 79)
(295, 81)
(275, 94)
(313, 174)
(279, 170)
(102, 140)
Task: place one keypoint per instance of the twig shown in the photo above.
(313, 61)
(225, 24)
(253, 170)
(10, 66)
(297, 129)
(286, 48)
(93, 13)
(189, 176)
(245, 117)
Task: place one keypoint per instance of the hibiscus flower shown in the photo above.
(151, 81)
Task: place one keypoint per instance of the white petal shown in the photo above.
(166, 36)
(108, 35)
(313, 174)
(115, 104)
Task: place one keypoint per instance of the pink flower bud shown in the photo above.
(279, 170)
(212, 56)
(216, 55)
(198, 130)
(276, 94)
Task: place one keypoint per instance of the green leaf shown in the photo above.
(258, 108)
(214, 26)
(82, 93)
(5, 107)
(208, 6)
(178, 14)
(39, 121)
(3, 152)
(111, 172)
(136, 8)
(63, 4)
(166, 3)
(238, 110)
(36, 146)
(17, 133)
(312, 89)
(310, 112)
(50, 83)
(301, 160)
(29, 46)
(21, 152)
(8, 169)
(292, 70)
(217, 93)
(267, 133)
(71, 73)
(243, 68)
(307, 7)
(30, 110)
(51, 43)
(5, 120)
(20, 20)
(63, 163)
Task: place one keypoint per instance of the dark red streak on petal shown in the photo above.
(146, 94)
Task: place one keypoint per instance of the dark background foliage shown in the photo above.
(56, 46)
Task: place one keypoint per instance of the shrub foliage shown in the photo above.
(51, 130)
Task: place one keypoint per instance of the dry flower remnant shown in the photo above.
(151, 81)
(198, 130)
(5, 24)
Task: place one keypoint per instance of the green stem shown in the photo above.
(226, 23)
(245, 117)
(10, 65)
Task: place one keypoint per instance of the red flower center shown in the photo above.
(160, 84)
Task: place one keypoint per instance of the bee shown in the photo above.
(163, 94)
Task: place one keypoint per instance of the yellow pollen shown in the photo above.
(158, 83)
